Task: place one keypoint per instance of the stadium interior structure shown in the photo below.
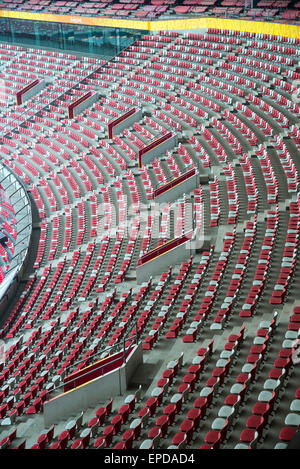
(150, 213)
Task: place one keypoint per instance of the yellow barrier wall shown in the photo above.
(261, 27)
(85, 20)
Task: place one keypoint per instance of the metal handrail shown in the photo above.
(101, 367)
(171, 178)
(165, 247)
(134, 338)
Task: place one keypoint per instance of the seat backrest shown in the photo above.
(146, 444)
(180, 360)
(85, 436)
(182, 444)
(109, 406)
(138, 393)
(79, 420)
(22, 445)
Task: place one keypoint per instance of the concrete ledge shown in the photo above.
(157, 148)
(161, 262)
(170, 192)
(82, 103)
(32, 89)
(123, 122)
(92, 393)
